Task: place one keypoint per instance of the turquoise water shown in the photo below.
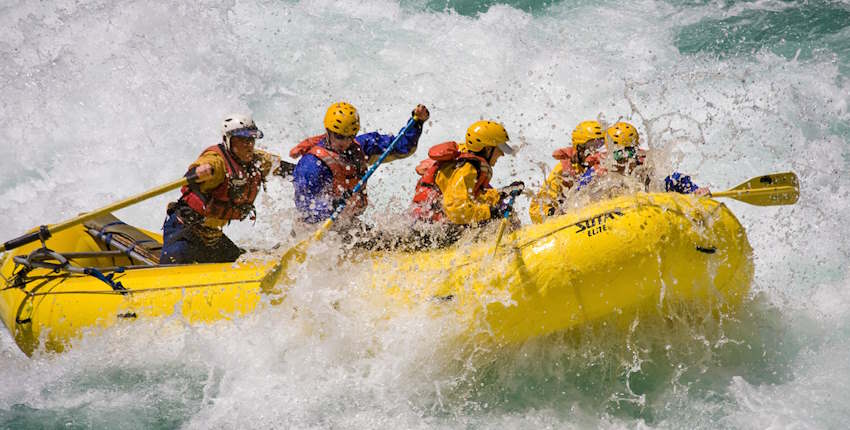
(103, 99)
(808, 31)
(472, 8)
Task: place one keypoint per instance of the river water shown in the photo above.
(104, 99)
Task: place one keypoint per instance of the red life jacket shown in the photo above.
(234, 198)
(572, 168)
(428, 198)
(346, 171)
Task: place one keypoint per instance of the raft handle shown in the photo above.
(40, 257)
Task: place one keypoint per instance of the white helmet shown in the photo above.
(241, 126)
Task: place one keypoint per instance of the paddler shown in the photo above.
(626, 157)
(229, 176)
(576, 165)
(331, 164)
(589, 157)
(454, 190)
(623, 146)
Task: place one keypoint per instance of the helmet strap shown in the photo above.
(229, 148)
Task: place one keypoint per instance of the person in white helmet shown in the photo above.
(225, 181)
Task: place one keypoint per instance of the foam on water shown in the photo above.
(105, 99)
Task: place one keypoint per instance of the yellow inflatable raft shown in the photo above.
(103, 272)
(647, 251)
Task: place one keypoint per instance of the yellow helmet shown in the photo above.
(586, 131)
(483, 134)
(623, 134)
(342, 118)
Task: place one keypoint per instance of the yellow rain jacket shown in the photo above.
(549, 198)
(460, 205)
(545, 203)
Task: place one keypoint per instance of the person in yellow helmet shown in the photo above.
(574, 162)
(622, 155)
(623, 143)
(454, 188)
(627, 158)
(331, 164)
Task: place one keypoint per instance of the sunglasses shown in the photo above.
(590, 147)
(625, 153)
(248, 132)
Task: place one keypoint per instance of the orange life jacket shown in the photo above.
(428, 198)
(346, 171)
(234, 198)
(572, 168)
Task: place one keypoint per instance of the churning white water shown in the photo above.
(104, 99)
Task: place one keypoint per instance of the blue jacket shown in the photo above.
(675, 182)
(313, 179)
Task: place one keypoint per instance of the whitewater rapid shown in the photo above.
(105, 99)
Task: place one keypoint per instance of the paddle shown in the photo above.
(768, 190)
(299, 251)
(44, 232)
(505, 216)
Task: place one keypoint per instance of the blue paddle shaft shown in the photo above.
(509, 207)
(372, 169)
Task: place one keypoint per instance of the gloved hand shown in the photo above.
(514, 189)
(498, 211)
(284, 169)
(420, 113)
(200, 173)
(343, 199)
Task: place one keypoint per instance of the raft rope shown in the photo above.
(40, 257)
(140, 291)
(107, 279)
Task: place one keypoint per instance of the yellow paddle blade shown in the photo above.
(297, 253)
(768, 190)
